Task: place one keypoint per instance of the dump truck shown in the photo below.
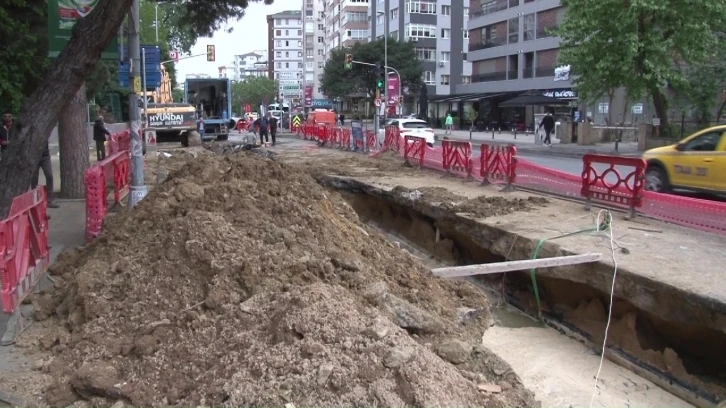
(211, 98)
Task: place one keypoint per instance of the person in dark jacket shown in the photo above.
(548, 123)
(99, 136)
(273, 127)
(47, 167)
(263, 124)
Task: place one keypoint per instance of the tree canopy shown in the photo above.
(337, 82)
(642, 46)
(253, 90)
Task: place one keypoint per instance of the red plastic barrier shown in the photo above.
(704, 215)
(625, 191)
(392, 139)
(344, 139)
(414, 150)
(457, 158)
(498, 163)
(371, 141)
(545, 179)
(115, 167)
(24, 252)
(119, 142)
(322, 133)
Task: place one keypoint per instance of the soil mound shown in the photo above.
(241, 281)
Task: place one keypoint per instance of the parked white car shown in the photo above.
(409, 127)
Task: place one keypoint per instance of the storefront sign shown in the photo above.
(562, 73)
(62, 16)
(560, 94)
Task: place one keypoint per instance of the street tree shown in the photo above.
(706, 80)
(641, 46)
(67, 73)
(337, 82)
(253, 90)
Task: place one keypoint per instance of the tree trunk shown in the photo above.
(661, 110)
(91, 35)
(73, 144)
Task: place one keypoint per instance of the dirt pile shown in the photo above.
(240, 281)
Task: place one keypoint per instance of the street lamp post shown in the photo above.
(156, 21)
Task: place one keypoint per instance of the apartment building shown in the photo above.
(437, 28)
(251, 64)
(285, 55)
(346, 23)
(313, 52)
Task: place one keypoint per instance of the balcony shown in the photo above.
(489, 77)
(487, 44)
(490, 7)
(528, 72)
(540, 72)
(547, 32)
(512, 74)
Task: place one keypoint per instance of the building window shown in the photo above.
(356, 17)
(321, 27)
(444, 79)
(277, 21)
(320, 90)
(426, 54)
(287, 54)
(393, 34)
(321, 14)
(420, 7)
(278, 43)
(299, 32)
(278, 54)
(299, 44)
(321, 64)
(356, 34)
(278, 32)
(428, 78)
(287, 33)
(380, 19)
(308, 53)
(529, 27)
(466, 34)
(287, 65)
(287, 43)
(514, 30)
(321, 52)
(308, 13)
(415, 31)
(287, 22)
(321, 40)
(445, 10)
(279, 65)
(445, 33)
(466, 79)
(299, 64)
(299, 54)
(394, 13)
(445, 56)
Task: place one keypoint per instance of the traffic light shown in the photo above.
(210, 53)
(348, 61)
(380, 81)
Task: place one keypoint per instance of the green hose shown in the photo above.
(603, 226)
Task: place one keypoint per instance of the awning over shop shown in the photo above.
(532, 98)
(447, 98)
(466, 97)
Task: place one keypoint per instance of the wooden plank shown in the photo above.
(509, 266)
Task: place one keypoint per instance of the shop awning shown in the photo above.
(447, 98)
(532, 99)
(467, 97)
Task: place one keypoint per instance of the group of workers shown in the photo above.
(266, 126)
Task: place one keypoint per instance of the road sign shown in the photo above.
(296, 121)
(174, 55)
(637, 109)
(379, 102)
(656, 121)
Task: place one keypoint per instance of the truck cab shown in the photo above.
(211, 98)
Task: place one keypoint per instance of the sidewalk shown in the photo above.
(526, 145)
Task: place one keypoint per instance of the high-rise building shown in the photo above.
(346, 23)
(251, 64)
(439, 31)
(313, 51)
(285, 53)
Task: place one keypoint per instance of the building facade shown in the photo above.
(313, 51)
(439, 31)
(251, 64)
(346, 23)
(285, 55)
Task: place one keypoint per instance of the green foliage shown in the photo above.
(253, 90)
(177, 94)
(705, 80)
(337, 82)
(23, 54)
(201, 18)
(641, 45)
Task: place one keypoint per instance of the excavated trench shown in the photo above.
(686, 360)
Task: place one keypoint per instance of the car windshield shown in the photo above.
(415, 125)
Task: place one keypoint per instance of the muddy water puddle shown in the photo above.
(558, 369)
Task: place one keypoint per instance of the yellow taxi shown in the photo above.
(696, 163)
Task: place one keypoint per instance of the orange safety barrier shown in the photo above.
(117, 169)
(498, 163)
(414, 150)
(119, 142)
(24, 251)
(392, 139)
(457, 158)
(344, 139)
(371, 141)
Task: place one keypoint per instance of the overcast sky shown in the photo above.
(249, 34)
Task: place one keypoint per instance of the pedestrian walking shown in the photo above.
(200, 126)
(46, 165)
(449, 123)
(548, 123)
(100, 134)
(273, 127)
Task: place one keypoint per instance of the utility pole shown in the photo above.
(138, 188)
(387, 5)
